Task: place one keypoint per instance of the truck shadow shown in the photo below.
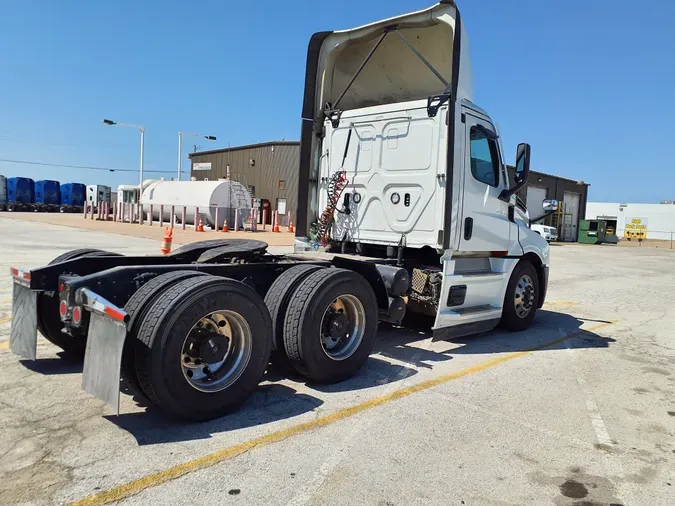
(409, 344)
(269, 403)
(64, 364)
(551, 331)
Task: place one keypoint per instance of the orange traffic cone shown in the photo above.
(225, 229)
(166, 241)
(275, 222)
(291, 228)
(200, 226)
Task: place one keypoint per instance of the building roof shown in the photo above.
(537, 173)
(297, 143)
(247, 146)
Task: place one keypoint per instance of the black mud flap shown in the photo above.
(103, 359)
(23, 336)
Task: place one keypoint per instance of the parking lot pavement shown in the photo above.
(579, 409)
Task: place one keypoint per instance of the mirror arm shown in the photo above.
(545, 215)
(505, 195)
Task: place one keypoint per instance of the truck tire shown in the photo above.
(278, 297)
(330, 325)
(137, 307)
(520, 299)
(48, 319)
(173, 358)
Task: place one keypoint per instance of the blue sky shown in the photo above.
(588, 84)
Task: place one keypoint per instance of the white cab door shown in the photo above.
(485, 225)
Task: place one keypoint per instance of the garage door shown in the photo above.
(535, 196)
(571, 202)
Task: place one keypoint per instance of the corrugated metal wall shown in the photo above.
(273, 163)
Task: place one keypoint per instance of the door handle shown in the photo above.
(468, 228)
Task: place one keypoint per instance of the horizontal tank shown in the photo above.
(48, 192)
(20, 189)
(225, 196)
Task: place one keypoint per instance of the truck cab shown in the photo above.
(404, 206)
(398, 162)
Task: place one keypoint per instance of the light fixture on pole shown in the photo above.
(180, 147)
(142, 130)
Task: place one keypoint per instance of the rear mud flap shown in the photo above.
(23, 336)
(103, 359)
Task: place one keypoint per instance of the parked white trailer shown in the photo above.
(212, 198)
(97, 194)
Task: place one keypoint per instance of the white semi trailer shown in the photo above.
(404, 206)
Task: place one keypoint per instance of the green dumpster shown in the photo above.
(597, 232)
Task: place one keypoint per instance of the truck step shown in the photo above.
(464, 329)
(475, 310)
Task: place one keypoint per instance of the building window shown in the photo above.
(281, 206)
(282, 184)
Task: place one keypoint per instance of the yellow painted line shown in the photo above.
(561, 303)
(4, 344)
(134, 487)
(5, 319)
(5, 301)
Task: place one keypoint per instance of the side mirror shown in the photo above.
(522, 163)
(522, 171)
(550, 205)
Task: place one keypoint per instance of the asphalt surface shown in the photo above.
(579, 409)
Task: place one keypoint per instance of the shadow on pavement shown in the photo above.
(407, 346)
(548, 326)
(270, 403)
(375, 373)
(64, 364)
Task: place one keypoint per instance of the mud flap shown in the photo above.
(23, 336)
(103, 359)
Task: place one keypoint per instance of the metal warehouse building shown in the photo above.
(572, 195)
(269, 170)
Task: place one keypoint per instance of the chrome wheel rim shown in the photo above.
(524, 297)
(216, 351)
(342, 327)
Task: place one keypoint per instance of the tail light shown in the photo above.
(63, 309)
(77, 315)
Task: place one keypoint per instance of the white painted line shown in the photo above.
(611, 460)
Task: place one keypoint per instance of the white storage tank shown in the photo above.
(3, 193)
(225, 196)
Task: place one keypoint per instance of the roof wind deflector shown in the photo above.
(332, 112)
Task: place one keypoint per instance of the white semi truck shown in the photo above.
(404, 206)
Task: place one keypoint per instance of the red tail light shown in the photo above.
(77, 315)
(63, 309)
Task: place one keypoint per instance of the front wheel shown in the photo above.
(520, 300)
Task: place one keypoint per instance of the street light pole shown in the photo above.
(142, 155)
(142, 130)
(180, 147)
(180, 153)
